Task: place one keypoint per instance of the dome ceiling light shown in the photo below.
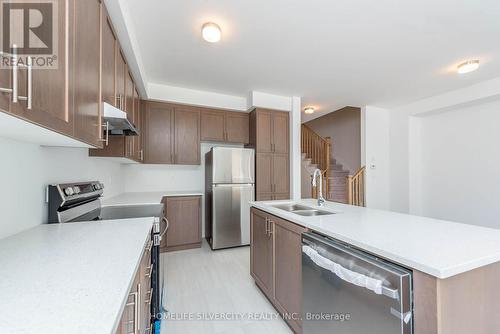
(211, 32)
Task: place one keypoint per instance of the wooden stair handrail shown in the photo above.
(356, 188)
(318, 149)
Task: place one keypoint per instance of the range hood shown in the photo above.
(117, 122)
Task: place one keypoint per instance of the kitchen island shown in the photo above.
(455, 266)
(70, 278)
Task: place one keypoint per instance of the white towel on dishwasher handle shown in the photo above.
(345, 274)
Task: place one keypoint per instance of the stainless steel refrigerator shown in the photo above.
(229, 187)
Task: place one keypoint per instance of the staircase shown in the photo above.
(337, 182)
(338, 186)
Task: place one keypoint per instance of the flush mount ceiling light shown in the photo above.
(211, 32)
(309, 110)
(468, 66)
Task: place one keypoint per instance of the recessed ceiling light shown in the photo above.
(468, 66)
(211, 32)
(309, 110)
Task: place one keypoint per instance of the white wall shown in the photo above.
(459, 156)
(26, 170)
(404, 140)
(143, 178)
(196, 97)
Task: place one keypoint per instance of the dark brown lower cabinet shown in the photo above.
(184, 223)
(136, 316)
(276, 263)
(261, 249)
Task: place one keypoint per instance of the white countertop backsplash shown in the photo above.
(69, 278)
(436, 247)
(141, 198)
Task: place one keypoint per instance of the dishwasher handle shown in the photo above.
(350, 276)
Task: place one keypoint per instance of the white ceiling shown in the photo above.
(332, 53)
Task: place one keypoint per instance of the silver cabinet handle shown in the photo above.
(106, 127)
(148, 301)
(138, 308)
(149, 246)
(141, 155)
(136, 312)
(267, 226)
(14, 75)
(149, 271)
(271, 227)
(30, 83)
(29, 88)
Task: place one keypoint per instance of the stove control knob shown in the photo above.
(76, 190)
(97, 186)
(68, 191)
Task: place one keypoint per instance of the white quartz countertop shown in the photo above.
(69, 278)
(436, 247)
(141, 198)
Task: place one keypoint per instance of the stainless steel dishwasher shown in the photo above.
(347, 291)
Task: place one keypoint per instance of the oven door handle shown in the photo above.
(165, 220)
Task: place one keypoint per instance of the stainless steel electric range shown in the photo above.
(80, 202)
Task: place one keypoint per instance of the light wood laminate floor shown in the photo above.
(215, 283)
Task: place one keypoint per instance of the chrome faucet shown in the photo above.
(317, 173)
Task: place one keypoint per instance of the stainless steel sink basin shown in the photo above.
(292, 207)
(302, 210)
(313, 212)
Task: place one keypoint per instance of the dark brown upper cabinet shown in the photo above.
(52, 95)
(158, 133)
(272, 131)
(138, 145)
(224, 126)
(129, 96)
(186, 135)
(237, 127)
(108, 54)
(120, 79)
(213, 126)
(5, 83)
(86, 72)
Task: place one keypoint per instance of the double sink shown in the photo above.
(302, 210)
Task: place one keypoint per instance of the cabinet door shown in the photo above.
(5, 98)
(139, 153)
(187, 136)
(184, 217)
(280, 174)
(158, 133)
(237, 127)
(264, 131)
(146, 292)
(129, 96)
(264, 168)
(261, 252)
(120, 71)
(86, 71)
(288, 268)
(280, 132)
(212, 125)
(51, 87)
(108, 51)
